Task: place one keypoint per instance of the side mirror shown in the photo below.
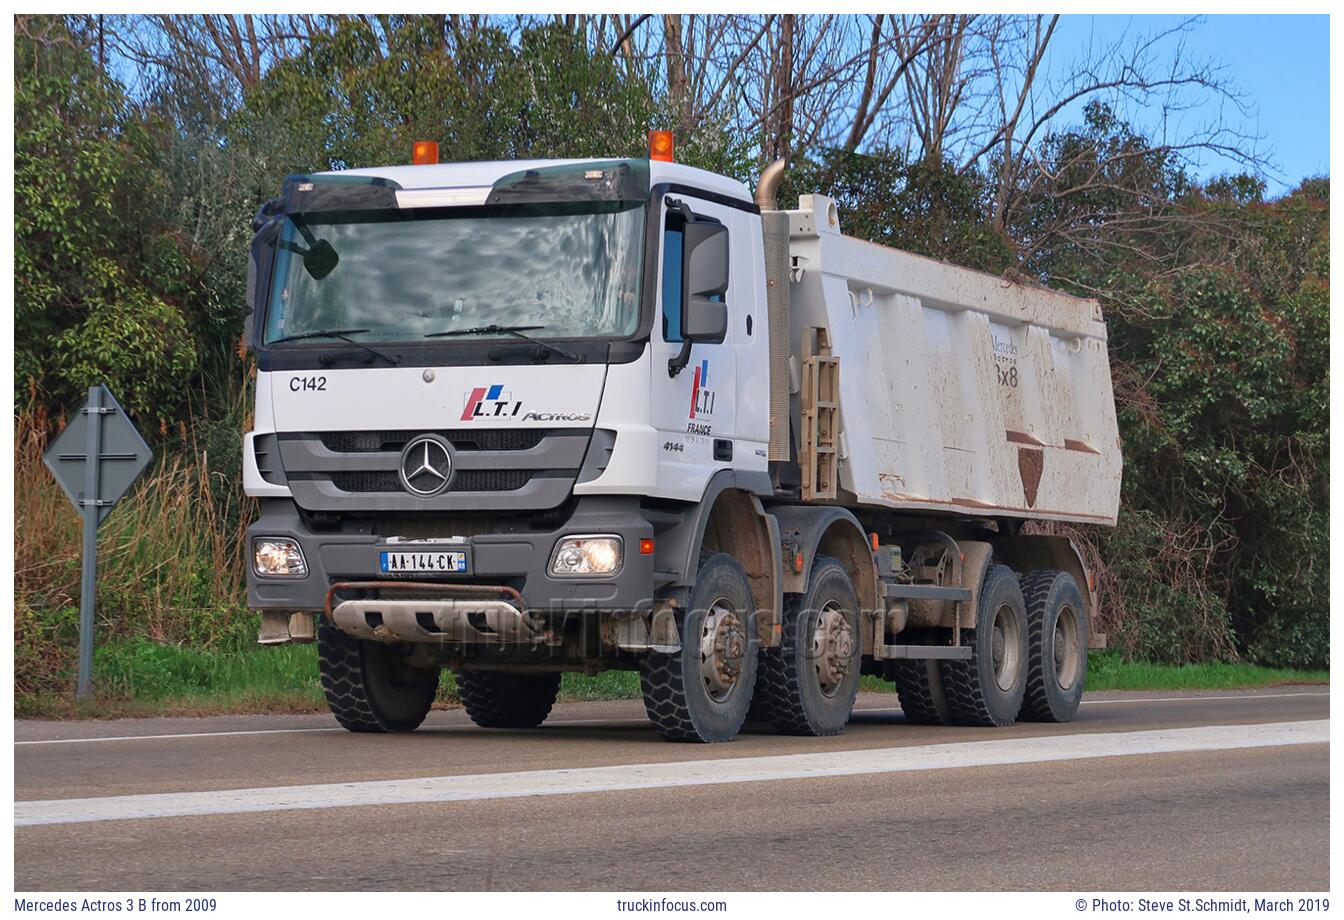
(705, 268)
(320, 260)
(704, 320)
(704, 281)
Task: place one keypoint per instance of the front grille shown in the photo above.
(463, 481)
(490, 480)
(357, 442)
(494, 469)
(266, 448)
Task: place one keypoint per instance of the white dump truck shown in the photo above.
(520, 418)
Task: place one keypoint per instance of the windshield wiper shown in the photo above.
(519, 332)
(345, 336)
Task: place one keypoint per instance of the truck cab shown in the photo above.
(520, 318)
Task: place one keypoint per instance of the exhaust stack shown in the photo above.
(775, 235)
(769, 185)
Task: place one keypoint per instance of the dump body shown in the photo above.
(958, 390)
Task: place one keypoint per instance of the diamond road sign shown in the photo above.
(100, 432)
(95, 459)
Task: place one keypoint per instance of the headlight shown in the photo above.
(600, 555)
(278, 556)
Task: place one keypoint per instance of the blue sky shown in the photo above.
(1281, 63)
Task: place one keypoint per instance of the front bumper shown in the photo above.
(519, 560)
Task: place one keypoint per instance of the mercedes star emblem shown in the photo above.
(426, 466)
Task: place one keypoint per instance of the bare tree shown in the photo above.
(1150, 74)
(908, 40)
(233, 49)
(678, 81)
(786, 81)
(803, 86)
(935, 90)
(1012, 157)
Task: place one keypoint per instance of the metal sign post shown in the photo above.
(95, 459)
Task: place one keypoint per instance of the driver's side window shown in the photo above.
(673, 238)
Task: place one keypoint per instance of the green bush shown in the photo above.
(139, 346)
(1159, 594)
(928, 208)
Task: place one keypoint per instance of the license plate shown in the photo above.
(425, 561)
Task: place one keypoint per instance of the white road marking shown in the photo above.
(1191, 699)
(667, 775)
(621, 721)
(895, 709)
(1155, 699)
(251, 731)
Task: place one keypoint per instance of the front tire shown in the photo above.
(369, 686)
(988, 689)
(702, 692)
(807, 685)
(1057, 633)
(497, 699)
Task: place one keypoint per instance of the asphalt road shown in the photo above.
(1157, 791)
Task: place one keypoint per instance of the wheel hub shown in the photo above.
(832, 648)
(723, 649)
(1004, 644)
(1069, 648)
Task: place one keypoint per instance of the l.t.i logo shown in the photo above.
(702, 398)
(490, 402)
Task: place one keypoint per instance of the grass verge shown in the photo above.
(143, 678)
(1108, 671)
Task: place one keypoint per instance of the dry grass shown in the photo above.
(169, 558)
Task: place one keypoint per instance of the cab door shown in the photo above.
(693, 407)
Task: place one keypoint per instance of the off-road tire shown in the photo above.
(497, 699)
(679, 704)
(1047, 594)
(368, 685)
(974, 696)
(788, 692)
(919, 686)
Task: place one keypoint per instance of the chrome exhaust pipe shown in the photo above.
(767, 188)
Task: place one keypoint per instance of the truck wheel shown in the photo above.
(702, 692)
(1057, 631)
(807, 685)
(368, 685)
(988, 689)
(496, 699)
(919, 686)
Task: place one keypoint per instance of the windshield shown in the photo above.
(399, 276)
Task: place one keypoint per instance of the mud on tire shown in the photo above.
(1057, 634)
(368, 685)
(792, 693)
(988, 689)
(497, 699)
(681, 702)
